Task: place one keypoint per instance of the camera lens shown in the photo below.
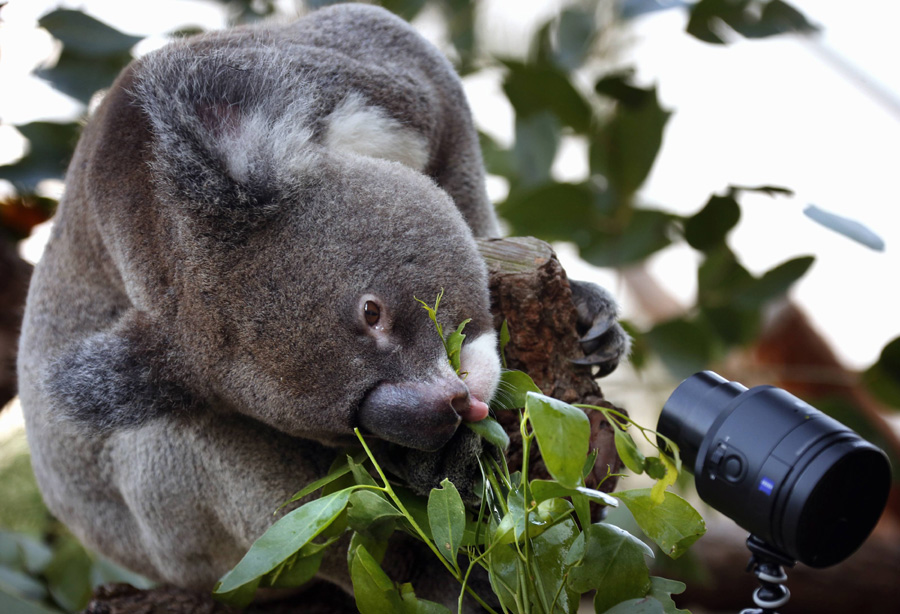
(799, 480)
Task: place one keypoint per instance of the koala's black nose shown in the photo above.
(415, 414)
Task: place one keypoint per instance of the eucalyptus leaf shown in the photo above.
(684, 346)
(535, 88)
(491, 431)
(285, 537)
(447, 519)
(709, 227)
(16, 605)
(628, 451)
(883, 378)
(49, 149)
(513, 390)
(644, 605)
(373, 590)
(774, 283)
(613, 563)
(372, 514)
(672, 524)
(537, 139)
(563, 433)
(19, 583)
(662, 590)
(453, 345)
(69, 575)
(85, 35)
(504, 574)
(640, 233)
(550, 550)
(576, 30)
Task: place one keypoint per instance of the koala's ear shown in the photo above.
(228, 142)
(116, 379)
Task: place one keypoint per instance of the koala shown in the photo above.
(230, 289)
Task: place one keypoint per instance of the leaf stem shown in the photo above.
(390, 491)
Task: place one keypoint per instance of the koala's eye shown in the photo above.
(371, 313)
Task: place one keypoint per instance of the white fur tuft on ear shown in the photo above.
(258, 142)
(368, 130)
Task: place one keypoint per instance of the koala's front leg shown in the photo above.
(604, 341)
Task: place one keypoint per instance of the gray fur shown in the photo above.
(193, 347)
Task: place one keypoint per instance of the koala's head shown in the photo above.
(297, 265)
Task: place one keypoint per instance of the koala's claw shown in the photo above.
(603, 340)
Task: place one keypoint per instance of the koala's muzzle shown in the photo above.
(419, 415)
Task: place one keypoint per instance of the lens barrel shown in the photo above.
(781, 469)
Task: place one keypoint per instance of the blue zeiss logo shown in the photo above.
(766, 485)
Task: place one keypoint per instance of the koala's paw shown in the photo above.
(456, 461)
(604, 341)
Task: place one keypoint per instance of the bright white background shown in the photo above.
(776, 111)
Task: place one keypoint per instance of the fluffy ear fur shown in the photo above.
(228, 143)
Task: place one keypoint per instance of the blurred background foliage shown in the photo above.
(564, 87)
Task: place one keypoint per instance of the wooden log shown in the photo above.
(530, 290)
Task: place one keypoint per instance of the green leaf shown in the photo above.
(535, 88)
(360, 475)
(50, 147)
(709, 227)
(662, 590)
(641, 233)
(504, 568)
(453, 345)
(883, 378)
(625, 147)
(81, 77)
(575, 35)
(104, 571)
(673, 524)
(376, 547)
(543, 490)
(85, 35)
(414, 605)
(69, 576)
(339, 469)
(373, 590)
(491, 431)
(655, 467)
(297, 570)
(552, 212)
(551, 549)
(613, 563)
(16, 605)
(563, 433)
(513, 390)
(537, 139)
(628, 451)
(20, 584)
(371, 514)
(644, 605)
(285, 537)
(657, 493)
(447, 519)
(776, 17)
(685, 347)
(774, 283)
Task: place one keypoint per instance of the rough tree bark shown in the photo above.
(529, 290)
